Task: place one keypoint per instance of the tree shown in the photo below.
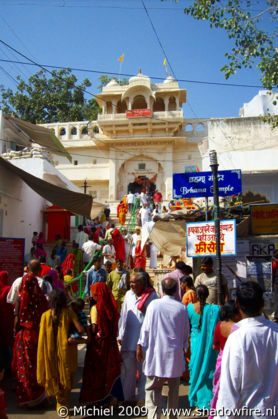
(252, 44)
(106, 79)
(50, 99)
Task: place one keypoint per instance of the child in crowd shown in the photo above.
(35, 238)
(74, 336)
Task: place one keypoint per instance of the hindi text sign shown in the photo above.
(200, 184)
(264, 218)
(200, 238)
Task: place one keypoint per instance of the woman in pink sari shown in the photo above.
(229, 315)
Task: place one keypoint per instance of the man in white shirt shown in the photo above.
(128, 245)
(135, 238)
(164, 334)
(81, 237)
(143, 198)
(249, 367)
(130, 199)
(12, 296)
(109, 252)
(131, 320)
(89, 248)
(145, 214)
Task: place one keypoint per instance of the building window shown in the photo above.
(62, 131)
(96, 129)
(75, 162)
(141, 166)
(73, 131)
(84, 131)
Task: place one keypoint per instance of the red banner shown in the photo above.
(139, 113)
(12, 257)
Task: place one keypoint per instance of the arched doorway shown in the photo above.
(138, 173)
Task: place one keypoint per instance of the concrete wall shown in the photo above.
(21, 208)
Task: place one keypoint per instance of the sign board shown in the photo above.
(12, 256)
(259, 269)
(139, 113)
(200, 238)
(200, 184)
(264, 218)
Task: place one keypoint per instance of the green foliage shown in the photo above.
(104, 80)
(252, 44)
(50, 99)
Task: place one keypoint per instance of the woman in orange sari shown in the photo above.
(29, 308)
(140, 256)
(102, 366)
(121, 212)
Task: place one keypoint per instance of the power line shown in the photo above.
(84, 70)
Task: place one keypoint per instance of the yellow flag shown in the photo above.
(121, 58)
(165, 62)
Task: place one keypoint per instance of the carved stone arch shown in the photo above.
(129, 171)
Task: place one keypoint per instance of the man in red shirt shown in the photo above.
(157, 199)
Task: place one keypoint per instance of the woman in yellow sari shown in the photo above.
(56, 359)
(121, 212)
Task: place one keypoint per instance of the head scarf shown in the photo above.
(56, 283)
(68, 263)
(32, 302)
(107, 309)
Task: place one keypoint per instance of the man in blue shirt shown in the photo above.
(95, 274)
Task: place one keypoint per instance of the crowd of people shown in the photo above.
(137, 338)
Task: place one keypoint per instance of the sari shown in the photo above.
(77, 266)
(56, 282)
(102, 366)
(57, 360)
(121, 213)
(119, 244)
(203, 356)
(216, 376)
(140, 256)
(32, 304)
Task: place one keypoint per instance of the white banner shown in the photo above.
(200, 238)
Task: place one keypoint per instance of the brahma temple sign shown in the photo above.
(200, 238)
(200, 184)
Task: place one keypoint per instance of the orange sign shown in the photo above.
(139, 113)
(264, 218)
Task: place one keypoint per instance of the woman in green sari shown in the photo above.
(203, 319)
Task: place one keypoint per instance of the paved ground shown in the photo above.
(14, 412)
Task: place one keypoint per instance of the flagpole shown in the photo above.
(120, 70)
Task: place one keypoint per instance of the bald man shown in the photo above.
(164, 335)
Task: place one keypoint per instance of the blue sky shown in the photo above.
(93, 34)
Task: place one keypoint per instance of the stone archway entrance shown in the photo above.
(137, 173)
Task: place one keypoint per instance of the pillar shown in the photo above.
(168, 171)
(112, 175)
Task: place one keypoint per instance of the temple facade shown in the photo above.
(138, 141)
(142, 137)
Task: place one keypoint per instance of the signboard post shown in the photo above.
(200, 184)
(201, 241)
(12, 256)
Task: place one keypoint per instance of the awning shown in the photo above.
(169, 237)
(36, 133)
(78, 203)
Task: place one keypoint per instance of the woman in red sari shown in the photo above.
(6, 321)
(140, 256)
(102, 365)
(119, 244)
(29, 308)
